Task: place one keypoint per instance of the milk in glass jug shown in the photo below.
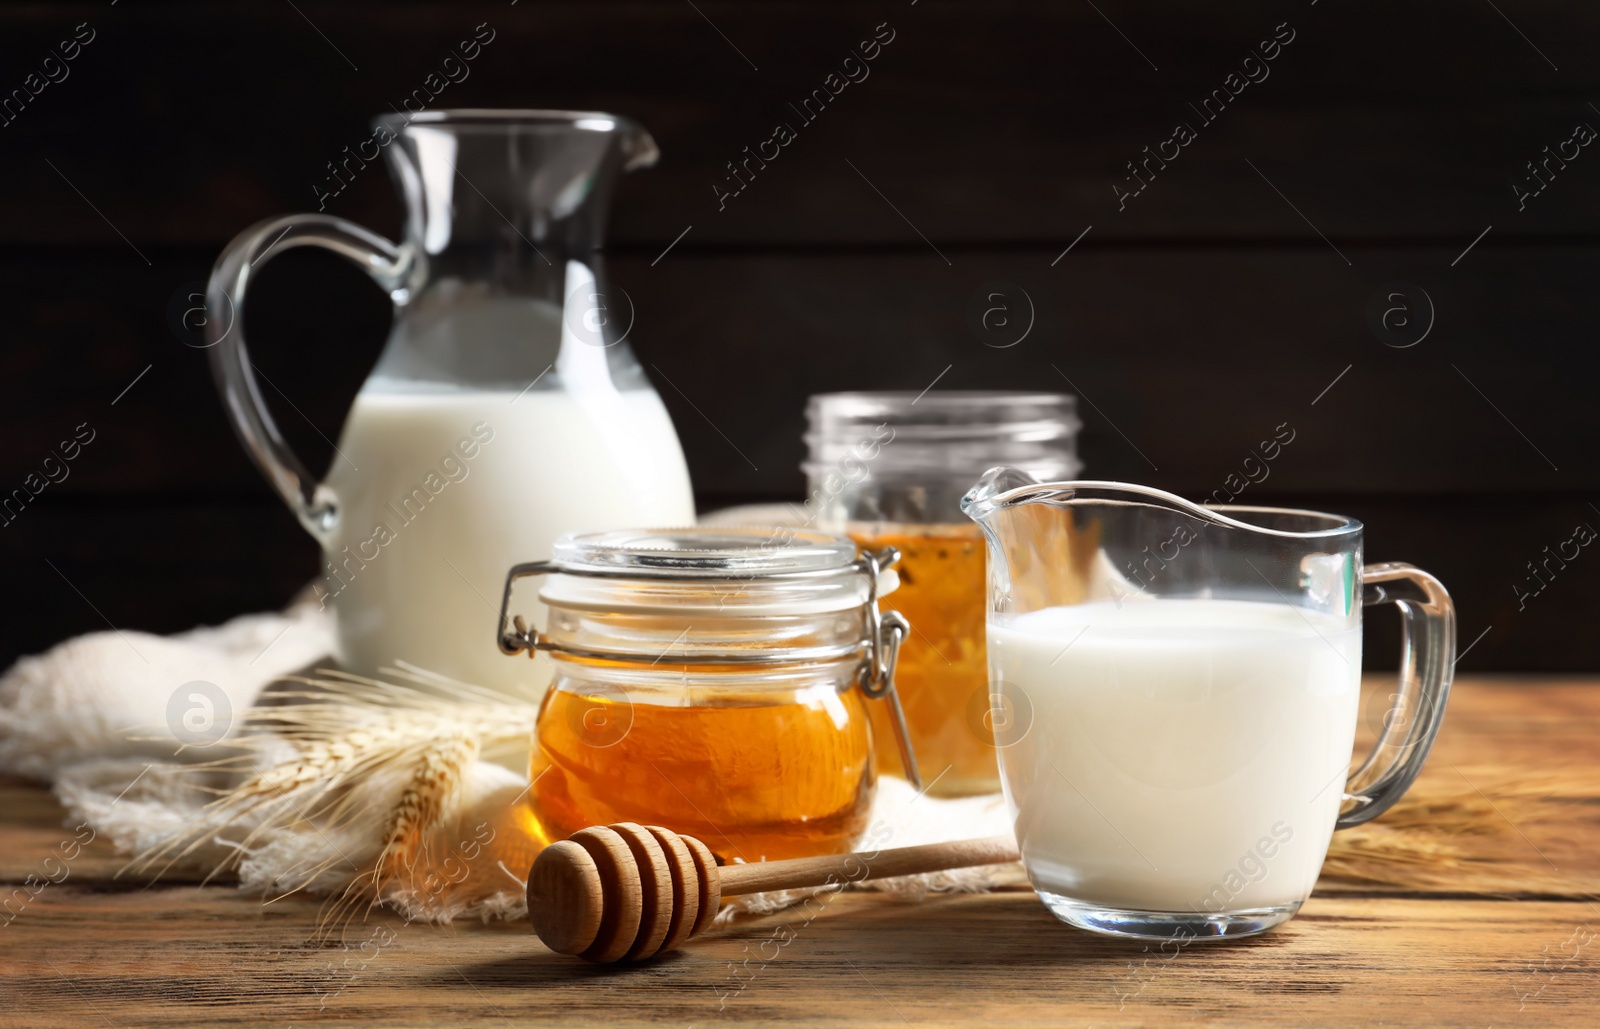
(506, 408)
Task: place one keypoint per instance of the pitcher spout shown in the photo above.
(1004, 488)
(504, 237)
(983, 500)
(1063, 543)
(540, 181)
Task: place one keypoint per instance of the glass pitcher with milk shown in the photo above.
(506, 409)
(1173, 697)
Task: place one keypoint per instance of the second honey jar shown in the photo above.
(889, 469)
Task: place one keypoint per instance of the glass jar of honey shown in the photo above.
(889, 469)
(713, 681)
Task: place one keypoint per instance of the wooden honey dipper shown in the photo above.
(628, 892)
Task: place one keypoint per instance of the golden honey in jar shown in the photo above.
(943, 660)
(709, 681)
(759, 773)
(890, 469)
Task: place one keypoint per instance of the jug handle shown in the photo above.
(1427, 666)
(388, 264)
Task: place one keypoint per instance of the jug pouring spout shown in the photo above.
(1047, 543)
(1078, 541)
(993, 493)
(1003, 488)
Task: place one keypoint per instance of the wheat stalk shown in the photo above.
(1449, 835)
(436, 774)
(330, 751)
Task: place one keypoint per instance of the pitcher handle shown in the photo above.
(1427, 665)
(390, 267)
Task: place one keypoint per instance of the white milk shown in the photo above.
(441, 491)
(1184, 755)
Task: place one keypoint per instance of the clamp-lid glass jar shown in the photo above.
(890, 469)
(714, 681)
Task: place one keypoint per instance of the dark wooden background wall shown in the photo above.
(1223, 301)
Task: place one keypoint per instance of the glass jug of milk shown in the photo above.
(506, 409)
(1173, 697)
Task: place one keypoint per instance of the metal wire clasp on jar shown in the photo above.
(715, 681)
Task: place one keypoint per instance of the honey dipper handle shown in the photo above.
(841, 868)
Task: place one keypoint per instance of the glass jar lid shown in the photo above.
(703, 553)
(728, 572)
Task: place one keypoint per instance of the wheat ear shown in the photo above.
(346, 735)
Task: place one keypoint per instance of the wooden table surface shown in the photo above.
(90, 951)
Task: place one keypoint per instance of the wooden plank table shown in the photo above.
(91, 951)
